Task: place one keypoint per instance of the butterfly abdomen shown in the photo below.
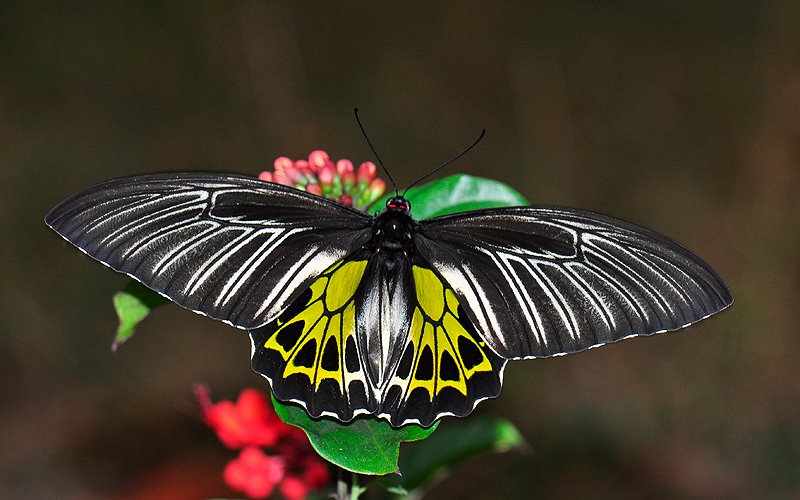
(384, 302)
(383, 305)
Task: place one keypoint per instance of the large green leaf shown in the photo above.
(457, 193)
(366, 445)
(133, 304)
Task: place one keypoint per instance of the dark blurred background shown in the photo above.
(680, 116)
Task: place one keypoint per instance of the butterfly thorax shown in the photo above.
(393, 229)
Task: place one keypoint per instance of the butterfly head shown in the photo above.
(398, 204)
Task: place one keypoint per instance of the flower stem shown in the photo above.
(347, 487)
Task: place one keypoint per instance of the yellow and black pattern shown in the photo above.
(446, 369)
(311, 353)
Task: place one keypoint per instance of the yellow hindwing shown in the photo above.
(445, 353)
(312, 342)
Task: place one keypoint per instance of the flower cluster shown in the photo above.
(251, 425)
(341, 181)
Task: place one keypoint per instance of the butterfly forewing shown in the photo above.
(543, 281)
(231, 247)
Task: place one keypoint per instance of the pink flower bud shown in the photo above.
(366, 172)
(302, 165)
(314, 189)
(348, 179)
(344, 166)
(292, 173)
(281, 178)
(318, 158)
(281, 163)
(327, 174)
(376, 187)
(337, 180)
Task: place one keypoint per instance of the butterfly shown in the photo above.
(407, 320)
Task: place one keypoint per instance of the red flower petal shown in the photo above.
(293, 488)
(315, 472)
(251, 421)
(254, 473)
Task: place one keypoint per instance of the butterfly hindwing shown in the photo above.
(445, 369)
(315, 354)
(310, 352)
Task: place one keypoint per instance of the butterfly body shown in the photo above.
(407, 320)
(385, 293)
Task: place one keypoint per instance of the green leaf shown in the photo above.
(425, 461)
(457, 193)
(366, 445)
(133, 304)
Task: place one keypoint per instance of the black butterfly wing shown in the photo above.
(544, 281)
(231, 247)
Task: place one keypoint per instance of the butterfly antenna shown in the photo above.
(377, 157)
(448, 162)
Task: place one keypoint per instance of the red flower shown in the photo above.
(254, 473)
(293, 488)
(250, 424)
(313, 474)
(339, 181)
(250, 421)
